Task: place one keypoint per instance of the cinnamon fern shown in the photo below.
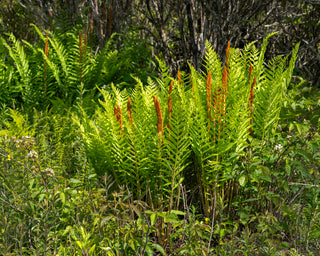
(190, 130)
(60, 70)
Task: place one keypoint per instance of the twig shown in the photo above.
(303, 184)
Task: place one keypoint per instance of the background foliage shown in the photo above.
(177, 30)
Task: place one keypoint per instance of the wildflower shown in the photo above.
(278, 147)
(49, 172)
(32, 154)
(9, 157)
(206, 220)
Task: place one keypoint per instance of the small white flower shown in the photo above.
(278, 147)
(289, 136)
(32, 154)
(49, 172)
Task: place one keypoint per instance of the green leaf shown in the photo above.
(243, 180)
(62, 197)
(153, 218)
(92, 249)
(159, 248)
(75, 181)
(67, 230)
(149, 250)
(171, 218)
(178, 212)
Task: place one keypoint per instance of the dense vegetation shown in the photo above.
(159, 127)
(219, 161)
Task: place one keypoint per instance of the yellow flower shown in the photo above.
(9, 157)
(206, 220)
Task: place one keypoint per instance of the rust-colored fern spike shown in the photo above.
(220, 105)
(250, 71)
(227, 55)
(46, 52)
(170, 87)
(209, 92)
(251, 98)
(129, 109)
(170, 104)
(46, 47)
(159, 115)
(179, 77)
(118, 114)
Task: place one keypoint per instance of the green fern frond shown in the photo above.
(21, 62)
(17, 126)
(212, 62)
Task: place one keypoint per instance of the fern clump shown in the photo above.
(194, 126)
(63, 69)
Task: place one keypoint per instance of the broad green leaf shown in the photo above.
(153, 218)
(63, 198)
(159, 248)
(243, 180)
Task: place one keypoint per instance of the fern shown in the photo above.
(22, 75)
(198, 126)
(17, 126)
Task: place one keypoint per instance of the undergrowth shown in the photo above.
(219, 162)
